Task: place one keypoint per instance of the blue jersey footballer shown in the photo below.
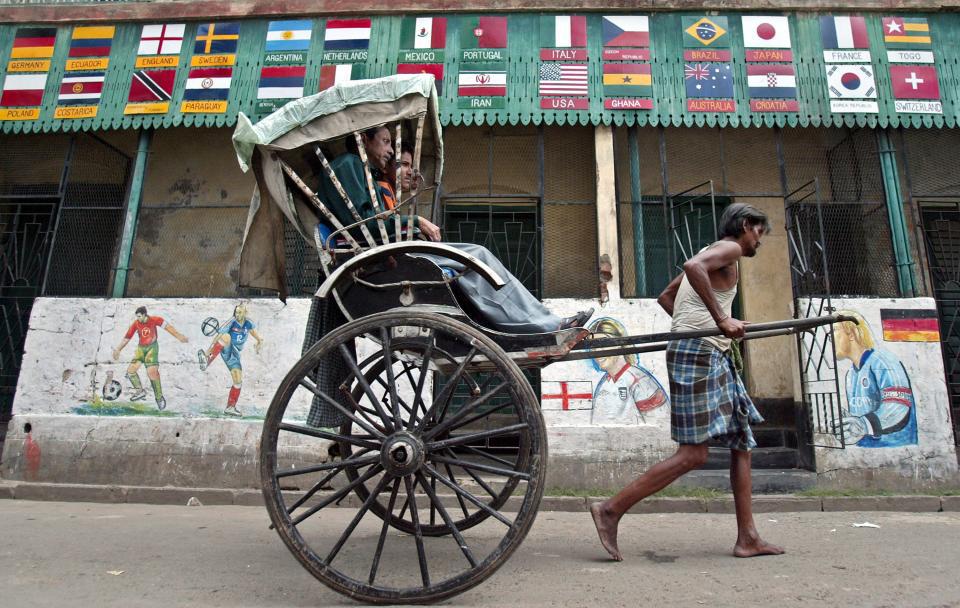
(230, 339)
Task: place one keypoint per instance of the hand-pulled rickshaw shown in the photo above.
(439, 440)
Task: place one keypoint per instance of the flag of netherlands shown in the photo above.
(346, 34)
(482, 80)
(564, 31)
(484, 33)
(208, 84)
(332, 74)
(152, 85)
(281, 82)
(81, 87)
(914, 82)
(629, 31)
(766, 32)
(92, 41)
(161, 39)
(289, 35)
(424, 68)
(771, 81)
(217, 38)
(34, 43)
(423, 33)
(23, 90)
(844, 32)
(563, 78)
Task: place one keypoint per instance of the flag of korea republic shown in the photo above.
(766, 32)
(81, 88)
(914, 82)
(208, 84)
(563, 31)
(851, 81)
(281, 82)
(771, 81)
(423, 33)
(482, 80)
(23, 90)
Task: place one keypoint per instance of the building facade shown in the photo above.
(590, 149)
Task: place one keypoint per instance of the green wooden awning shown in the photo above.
(520, 60)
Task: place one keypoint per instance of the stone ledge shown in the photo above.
(950, 503)
(913, 504)
(178, 496)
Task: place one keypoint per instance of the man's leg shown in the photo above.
(133, 375)
(607, 514)
(749, 543)
(153, 373)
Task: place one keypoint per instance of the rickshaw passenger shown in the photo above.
(511, 309)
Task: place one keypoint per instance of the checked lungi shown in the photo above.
(707, 397)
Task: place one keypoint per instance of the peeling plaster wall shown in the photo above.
(933, 458)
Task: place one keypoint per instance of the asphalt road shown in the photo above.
(85, 554)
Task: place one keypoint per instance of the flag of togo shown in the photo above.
(423, 33)
(627, 80)
(484, 33)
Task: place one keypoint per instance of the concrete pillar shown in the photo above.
(608, 243)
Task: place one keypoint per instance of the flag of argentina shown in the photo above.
(289, 35)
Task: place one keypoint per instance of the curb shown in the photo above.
(764, 503)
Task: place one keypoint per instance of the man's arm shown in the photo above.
(698, 269)
(259, 344)
(669, 295)
(120, 347)
(173, 332)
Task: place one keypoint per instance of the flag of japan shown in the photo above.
(766, 32)
(914, 82)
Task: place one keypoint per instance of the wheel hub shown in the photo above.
(402, 454)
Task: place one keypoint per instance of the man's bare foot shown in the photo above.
(756, 546)
(606, 529)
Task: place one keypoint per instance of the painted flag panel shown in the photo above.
(332, 74)
(708, 79)
(909, 325)
(482, 80)
(151, 85)
(289, 35)
(23, 90)
(627, 80)
(281, 82)
(91, 41)
(484, 33)
(906, 32)
(771, 81)
(208, 84)
(851, 81)
(766, 32)
(563, 78)
(161, 39)
(346, 34)
(217, 38)
(423, 33)
(424, 68)
(34, 43)
(704, 31)
(844, 32)
(626, 30)
(81, 87)
(563, 31)
(566, 395)
(914, 82)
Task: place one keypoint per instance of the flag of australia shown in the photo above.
(711, 80)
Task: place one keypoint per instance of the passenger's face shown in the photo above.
(406, 171)
(379, 148)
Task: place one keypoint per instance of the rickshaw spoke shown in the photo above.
(433, 488)
(462, 439)
(417, 531)
(356, 519)
(403, 404)
(483, 414)
(362, 381)
(321, 434)
(468, 495)
(424, 367)
(339, 493)
(448, 521)
(488, 455)
(463, 505)
(463, 464)
(451, 423)
(383, 532)
(391, 378)
(447, 392)
(479, 480)
(326, 466)
(316, 391)
(319, 485)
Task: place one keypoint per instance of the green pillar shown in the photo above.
(898, 223)
(133, 212)
(639, 245)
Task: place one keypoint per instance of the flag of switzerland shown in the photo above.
(914, 82)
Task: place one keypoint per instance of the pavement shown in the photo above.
(123, 554)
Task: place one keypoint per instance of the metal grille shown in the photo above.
(845, 165)
(927, 156)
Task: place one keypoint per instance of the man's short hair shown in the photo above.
(351, 141)
(142, 310)
(406, 146)
(732, 218)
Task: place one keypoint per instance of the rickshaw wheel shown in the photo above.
(416, 463)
